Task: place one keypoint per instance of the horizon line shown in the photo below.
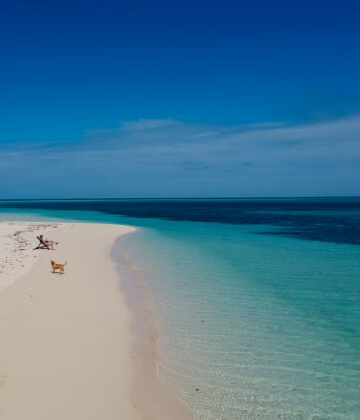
(180, 198)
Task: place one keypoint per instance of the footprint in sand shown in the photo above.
(2, 380)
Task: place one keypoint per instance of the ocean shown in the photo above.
(257, 300)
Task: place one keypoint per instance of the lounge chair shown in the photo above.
(42, 244)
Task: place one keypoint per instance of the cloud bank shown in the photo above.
(168, 158)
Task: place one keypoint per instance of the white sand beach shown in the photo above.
(66, 343)
(17, 240)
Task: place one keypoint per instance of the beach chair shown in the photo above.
(42, 245)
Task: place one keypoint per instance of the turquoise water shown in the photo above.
(253, 325)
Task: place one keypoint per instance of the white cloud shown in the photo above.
(265, 159)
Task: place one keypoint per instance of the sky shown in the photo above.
(176, 98)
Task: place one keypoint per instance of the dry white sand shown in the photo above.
(17, 240)
(65, 350)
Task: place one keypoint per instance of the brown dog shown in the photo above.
(56, 266)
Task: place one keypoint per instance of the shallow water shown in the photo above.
(257, 320)
(255, 326)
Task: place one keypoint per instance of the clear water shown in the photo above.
(259, 312)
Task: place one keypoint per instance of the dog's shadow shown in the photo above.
(55, 272)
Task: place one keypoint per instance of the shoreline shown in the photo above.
(39, 309)
(154, 400)
(66, 340)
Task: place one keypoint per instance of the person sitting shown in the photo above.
(48, 242)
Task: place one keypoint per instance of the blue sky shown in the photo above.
(169, 98)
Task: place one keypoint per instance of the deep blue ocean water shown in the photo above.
(258, 300)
